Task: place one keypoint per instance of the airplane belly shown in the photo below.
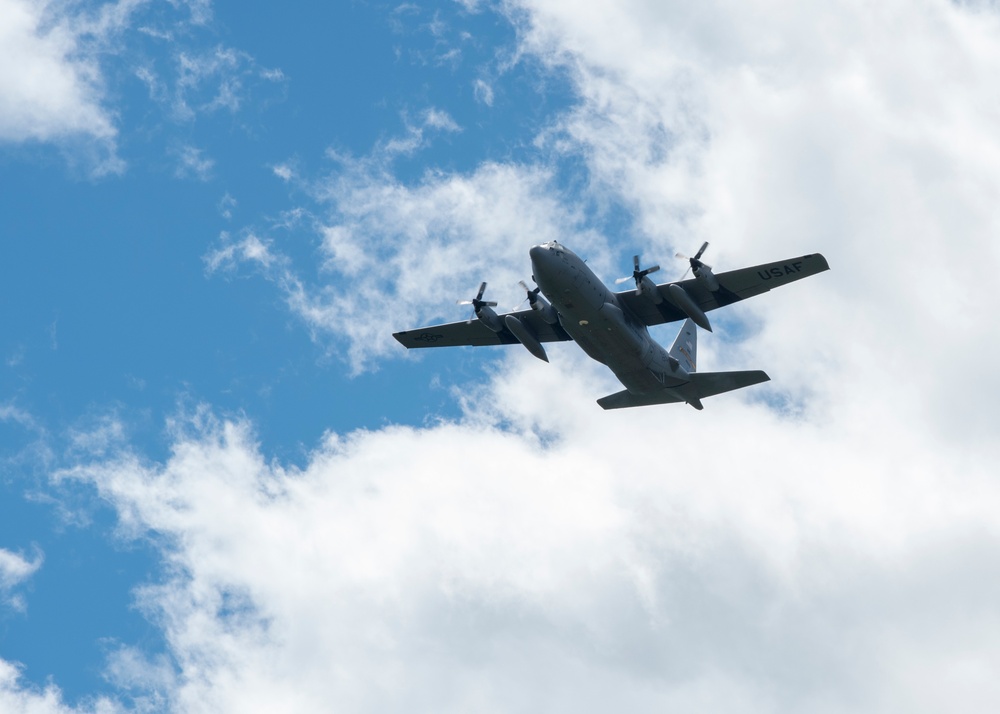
(607, 337)
(590, 315)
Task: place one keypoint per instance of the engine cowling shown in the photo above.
(544, 310)
(648, 289)
(488, 317)
(706, 277)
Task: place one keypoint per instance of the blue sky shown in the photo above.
(223, 486)
(108, 311)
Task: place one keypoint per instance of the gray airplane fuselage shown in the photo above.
(609, 333)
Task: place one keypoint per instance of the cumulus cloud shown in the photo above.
(540, 550)
(821, 544)
(824, 543)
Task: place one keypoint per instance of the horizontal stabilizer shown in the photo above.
(625, 398)
(702, 384)
(709, 384)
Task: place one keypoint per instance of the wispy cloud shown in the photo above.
(14, 570)
(483, 91)
(227, 204)
(411, 247)
(16, 696)
(57, 84)
(283, 171)
(192, 163)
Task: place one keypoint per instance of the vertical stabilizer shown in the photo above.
(685, 347)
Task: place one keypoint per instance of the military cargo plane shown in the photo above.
(571, 303)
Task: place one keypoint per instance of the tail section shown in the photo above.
(685, 347)
(698, 386)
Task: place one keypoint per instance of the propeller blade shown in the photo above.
(477, 302)
(635, 261)
(623, 280)
(694, 262)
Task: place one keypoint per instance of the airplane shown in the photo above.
(570, 302)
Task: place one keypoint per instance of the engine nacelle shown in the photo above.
(489, 318)
(545, 310)
(648, 288)
(690, 308)
(706, 277)
(523, 333)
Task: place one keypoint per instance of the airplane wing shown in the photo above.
(734, 285)
(476, 334)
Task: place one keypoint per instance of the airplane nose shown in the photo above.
(541, 255)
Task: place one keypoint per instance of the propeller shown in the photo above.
(695, 262)
(532, 294)
(637, 274)
(478, 302)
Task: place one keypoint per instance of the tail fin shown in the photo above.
(685, 347)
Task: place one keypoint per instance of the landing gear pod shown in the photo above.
(523, 333)
(685, 303)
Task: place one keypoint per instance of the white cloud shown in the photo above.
(283, 171)
(837, 555)
(441, 120)
(16, 698)
(853, 129)
(831, 555)
(211, 80)
(415, 137)
(582, 559)
(50, 89)
(227, 204)
(483, 92)
(11, 412)
(56, 87)
(417, 249)
(191, 163)
(14, 570)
